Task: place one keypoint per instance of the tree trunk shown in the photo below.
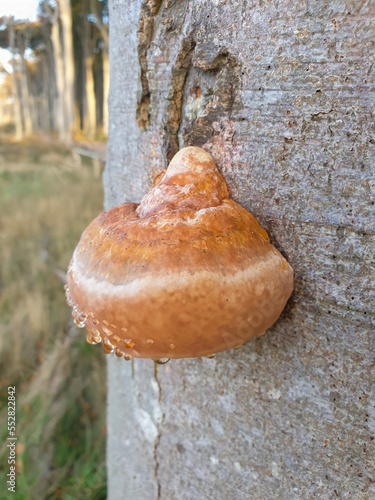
(65, 14)
(105, 60)
(45, 109)
(25, 97)
(49, 62)
(103, 29)
(15, 88)
(59, 109)
(89, 108)
(280, 94)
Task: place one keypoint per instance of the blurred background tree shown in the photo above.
(53, 127)
(59, 77)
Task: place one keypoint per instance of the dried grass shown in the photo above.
(45, 203)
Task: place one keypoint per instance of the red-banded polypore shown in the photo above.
(188, 272)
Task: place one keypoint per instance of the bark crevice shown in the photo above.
(180, 72)
(211, 94)
(149, 11)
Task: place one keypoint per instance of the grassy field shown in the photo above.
(46, 199)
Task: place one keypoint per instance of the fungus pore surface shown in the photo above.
(188, 272)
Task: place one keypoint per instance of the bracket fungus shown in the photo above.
(188, 272)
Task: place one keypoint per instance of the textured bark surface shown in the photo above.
(282, 95)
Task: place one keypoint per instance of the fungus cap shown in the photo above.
(188, 272)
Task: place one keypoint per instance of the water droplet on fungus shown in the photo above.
(108, 342)
(107, 349)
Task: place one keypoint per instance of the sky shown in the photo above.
(20, 9)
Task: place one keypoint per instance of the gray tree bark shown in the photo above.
(282, 95)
